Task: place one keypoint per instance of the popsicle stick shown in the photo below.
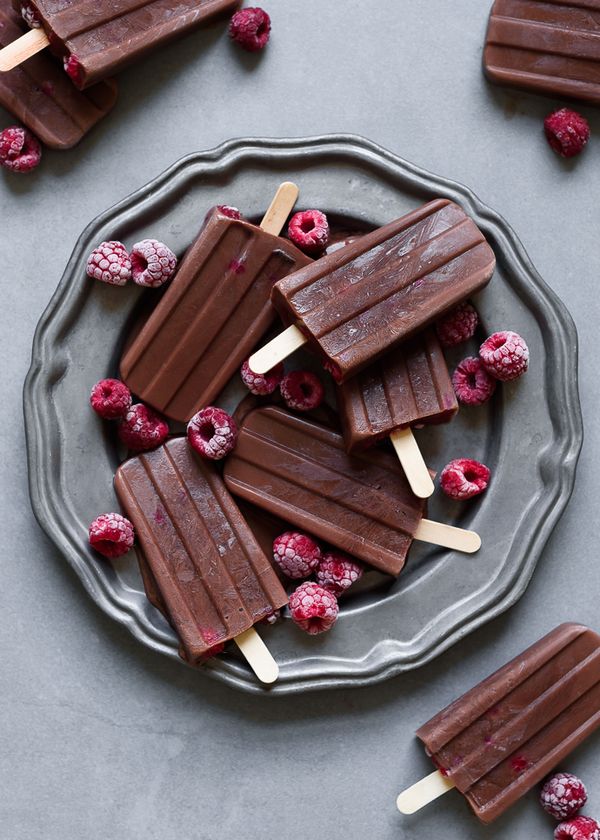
(23, 48)
(258, 656)
(448, 536)
(422, 793)
(280, 208)
(278, 349)
(415, 469)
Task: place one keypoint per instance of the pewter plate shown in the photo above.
(530, 434)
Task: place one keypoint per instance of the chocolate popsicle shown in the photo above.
(207, 569)
(298, 470)
(357, 304)
(40, 95)
(213, 314)
(499, 739)
(545, 46)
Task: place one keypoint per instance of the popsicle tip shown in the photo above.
(405, 804)
(472, 542)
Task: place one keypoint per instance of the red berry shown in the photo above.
(142, 429)
(505, 355)
(472, 383)
(73, 68)
(212, 433)
(302, 390)
(563, 795)
(337, 572)
(261, 384)
(250, 28)
(297, 555)
(309, 230)
(213, 651)
(458, 325)
(567, 132)
(111, 535)
(110, 398)
(464, 478)
(581, 828)
(313, 608)
(110, 263)
(20, 151)
(230, 212)
(152, 263)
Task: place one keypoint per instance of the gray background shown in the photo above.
(103, 738)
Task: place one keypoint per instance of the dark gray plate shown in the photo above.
(530, 434)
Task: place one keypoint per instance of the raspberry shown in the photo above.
(563, 795)
(213, 651)
(250, 28)
(230, 212)
(20, 151)
(567, 132)
(337, 572)
(111, 535)
(472, 382)
(261, 384)
(273, 617)
(297, 555)
(464, 478)
(458, 325)
(142, 429)
(302, 390)
(152, 263)
(313, 608)
(581, 828)
(110, 263)
(110, 398)
(505, 355)
(212, 433)
(309, 230)
(30, 16)
(73, 68)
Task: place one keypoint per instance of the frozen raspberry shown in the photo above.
(111, 399)
(111, 535)
(273, 617)
(261, 383)
(505, 355)
(567, 132)
(213, 651)
(142, 429)
(581, 828)
(472, 382)
(250, 28)
(297, 555)
(563, 795)
(110, 263)
(313, 608)
(464, 478)
(19, 149)
(230, 212)
(73, 68)
(152, 263)
(302, 390)
(309, 230)
(337, 572)
(30, 16)
(457, 326)
(212, 433)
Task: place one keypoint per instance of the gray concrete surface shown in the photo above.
(104, 740)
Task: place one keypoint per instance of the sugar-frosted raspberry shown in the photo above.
(30, 16)
(230, 212)
(250, 28)
(152, 263)
(458, 325)
(297, 555)
(302, 390)
(212, 433)
(505, 355)
(567, 132)
(261, 383)
(337, 572)
(111, 399)
(142, 429)
(20, 151)
(581, 828)
(110, 263)
(464, 478)
(309, 230)
(472, 383)
(111, 535)
(73, 68)
(313, 608)
(563, 795)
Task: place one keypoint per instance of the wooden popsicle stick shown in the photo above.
(280, 208)
(278, 349)
(258, 655)
(23, 48)
(415, 469)
(448, 536)
(422, 793)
